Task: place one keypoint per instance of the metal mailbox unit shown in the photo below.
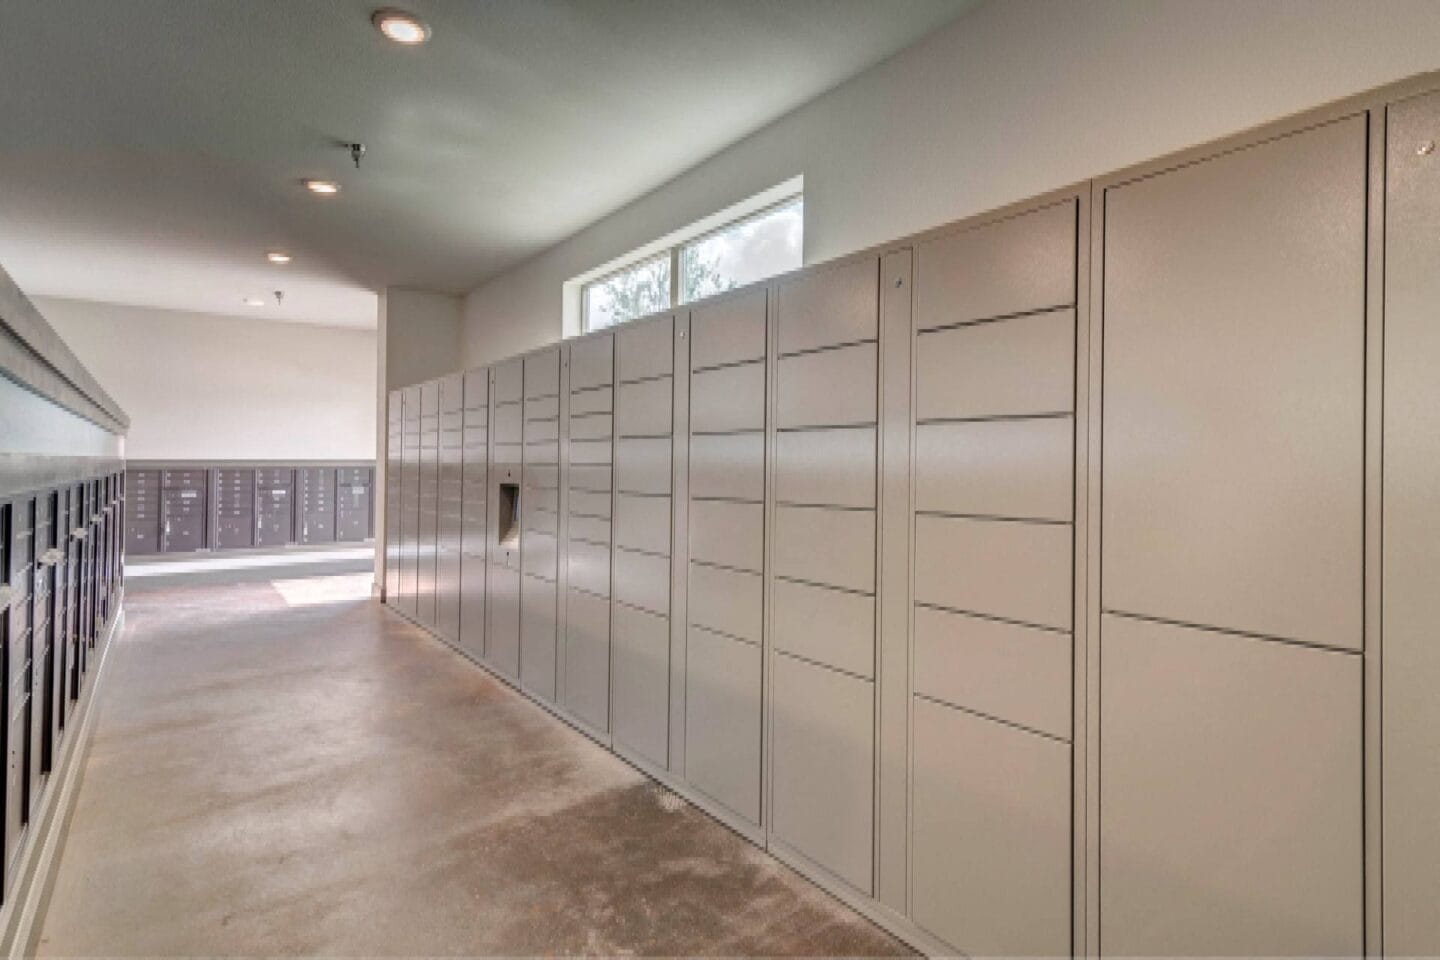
(315, 506)
(824, 555)
(354, 504)
(233, 495)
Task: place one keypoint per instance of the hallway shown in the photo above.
(285, 768)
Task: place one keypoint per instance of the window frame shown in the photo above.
(673, 246)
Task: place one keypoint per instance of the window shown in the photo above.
(745, 243)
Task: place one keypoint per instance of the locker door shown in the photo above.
(394, 478)
(1233, 477)
(474, 482)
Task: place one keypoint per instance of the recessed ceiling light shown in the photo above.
(278, 256)
(400, 26)
(325, 188)
(254, 302)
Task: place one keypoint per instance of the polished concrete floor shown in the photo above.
(284, 768)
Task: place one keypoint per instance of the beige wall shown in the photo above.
(1017, 98)
(203, 386)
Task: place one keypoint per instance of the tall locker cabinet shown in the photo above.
(1232, 558)
(315, 511)
(429, 504)
(586, 690)
(640, 559)
(393, 481)
(410, 500)
(993, 501)
(449, 508)
(502, 638)
(822, 568)
(724, 661)
(540, 524)
(1411, 562)
(474, 483)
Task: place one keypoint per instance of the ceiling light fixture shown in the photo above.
(254, 302)
(278, 256)
(325, 188)
(399, 26)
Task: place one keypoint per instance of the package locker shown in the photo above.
(586, 678)
(57, 688)
(17, 677)
(41, 636)
(502, 635)
(410, 500)
(993, 469)
(724, 662)
(428, 505)
(474, 499)
(449, 507)
(394, 478)
(315, 511)
(274, 506)
(354, 516)
(539, 534)
(1230, 748)
(182, 510)
(233, 496)
(640, 555)
(142, 527)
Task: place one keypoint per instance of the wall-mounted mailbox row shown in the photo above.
(61, 577)
(189, 508)
(829, 555)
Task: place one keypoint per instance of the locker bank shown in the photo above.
(983, 504)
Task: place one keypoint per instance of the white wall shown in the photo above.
(1014, 99)
(202, 386)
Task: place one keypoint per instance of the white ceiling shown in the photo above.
(151, 150)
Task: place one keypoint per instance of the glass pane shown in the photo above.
(634, 292)
(753, 249)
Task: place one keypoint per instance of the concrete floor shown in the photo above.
(285, 768)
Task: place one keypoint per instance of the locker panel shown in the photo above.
(502, 640)
(731, 602)
(234, 533)
(590, 452)
(542, 408)
(1411, 536)
(836, 304)
(642, 466)
(542, 374)
(447, 594)
(823, 738)
(537, 636)
(645, 349)
(543, 521)
(541, 476)
(991, 835)
(590, 426)
(588, 503)
(587, 658)
(477, 392)
(642, 580)
(1018, 265)
(537, 554)
(595, 400)
(640, 694)
(1021, 366)
(507, 427)
(643, 523)
(1234, 389)
(997, 468)
(727, 399)
(728, 331)
(830, 627)
(542, 430)
(826, 467)
(589, 529)
(592, 362)
(824, 546)
(728, 533)
(643, 409)
(1233, 785)
(543, 454)
(1013, 570)
(588, 565)
(1018, 674)
(591, 479)
(722, 720)
(472, 605)
(452, 393)
(829, 388)
(509, 380)
(728, 465)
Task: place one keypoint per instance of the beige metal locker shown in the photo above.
(640, 678)
(1020, 366)
(1234, 389)
(643, 523)
(997, 468)
(831, 627)
(502, 639)
(833, 467)
(1015, 570)
(727, 601)
(728, 466)
(848, 538)
(1231, 795)
(827, 388)
(587, 658)
(722, 728)
(1411, 563)
(537, 636)
(728, 398)
(728, 533)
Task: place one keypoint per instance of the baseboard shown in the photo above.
(24, 910)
